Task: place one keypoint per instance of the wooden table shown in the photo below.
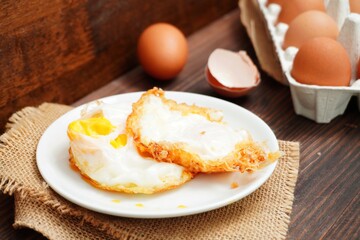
(327, 194)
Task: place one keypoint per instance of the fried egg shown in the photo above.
(105, 155)
(193, 137)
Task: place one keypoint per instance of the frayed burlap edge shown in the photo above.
(10, 186)
(293, 156)
(13, 130)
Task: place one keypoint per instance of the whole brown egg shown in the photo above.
(162, 50)
(355, 6)
(322, 61)
(309, 25)
(292, 8)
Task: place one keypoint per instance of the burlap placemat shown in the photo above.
(265, 214)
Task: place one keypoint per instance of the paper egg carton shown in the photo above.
(318, 103)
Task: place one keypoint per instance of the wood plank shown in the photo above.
(6, 220)
(347, 226)
(63, 50)
(232, 37)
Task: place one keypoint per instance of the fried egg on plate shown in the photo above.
(192, 136)
(106, 156)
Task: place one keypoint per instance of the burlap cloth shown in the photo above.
(265, 214)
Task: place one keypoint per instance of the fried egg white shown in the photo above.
(192, 136)
(106, 156)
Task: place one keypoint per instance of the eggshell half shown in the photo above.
(231, 74)
(233, 70)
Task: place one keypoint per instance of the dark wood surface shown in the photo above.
(61, 50)
(327, 193)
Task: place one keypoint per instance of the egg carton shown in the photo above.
(319, 103)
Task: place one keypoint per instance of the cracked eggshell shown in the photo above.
(231, 74)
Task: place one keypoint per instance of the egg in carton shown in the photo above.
(319, 103)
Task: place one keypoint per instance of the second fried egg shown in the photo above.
(194, 137)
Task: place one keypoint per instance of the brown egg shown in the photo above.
(162, 50)
(322, 61)
(280, 2)
(292, 8)
(309, 25)
(355, 6)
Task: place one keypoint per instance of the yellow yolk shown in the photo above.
(91, 127)
(120, 141)
(96, 126)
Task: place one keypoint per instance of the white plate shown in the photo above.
(204, 193)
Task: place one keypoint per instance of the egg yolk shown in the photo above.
(96, 126)
(91, 127)
(119, 142)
